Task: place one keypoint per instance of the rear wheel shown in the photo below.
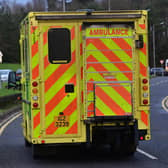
(36, 151)
(27, 143)
(124, 145)
(130, 149)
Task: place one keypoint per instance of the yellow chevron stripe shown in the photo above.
(35, 60)
(52, 67)
(120, 54)
(60, 83)
(90, 96)
(117, 98)
(129, 41)
(102, 58)
(98, 77)
(143, 59)
(114, 94)
(35, 36)
(50, 70)
(36, 131)
(142, 56)
(55, 88)
(103, 107)
(35, 112)
(60, 107)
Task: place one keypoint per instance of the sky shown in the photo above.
(23, 1)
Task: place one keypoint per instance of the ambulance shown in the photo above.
(85, 79)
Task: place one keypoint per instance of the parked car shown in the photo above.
(159, 71)
(18, 74)
(4, 74)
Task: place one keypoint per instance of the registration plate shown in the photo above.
(62, 121)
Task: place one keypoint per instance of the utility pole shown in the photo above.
(154, 43)
(109, 8)
(154, 53)
(63, 5)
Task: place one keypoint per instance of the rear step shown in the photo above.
(109, 119)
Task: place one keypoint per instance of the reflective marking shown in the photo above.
(146, 154)
(165, 103)
(110, 72)
(109, 82)
(108, 62)
(110, 50)
(9, 121)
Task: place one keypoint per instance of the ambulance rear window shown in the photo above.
(59, 45)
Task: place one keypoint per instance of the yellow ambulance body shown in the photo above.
(85, 78)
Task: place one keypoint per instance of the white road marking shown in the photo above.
(147, 154)
(8, 121)
(164, 105)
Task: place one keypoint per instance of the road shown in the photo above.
(13, 154)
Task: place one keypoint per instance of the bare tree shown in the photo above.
(51, 5)
(39, 5)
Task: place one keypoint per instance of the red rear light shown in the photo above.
(145, 102)
(141, 138)
(34, 84)
(35, 105)
(145, 81)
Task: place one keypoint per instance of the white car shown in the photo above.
(4, 74)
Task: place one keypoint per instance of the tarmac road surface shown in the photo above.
(150, 154)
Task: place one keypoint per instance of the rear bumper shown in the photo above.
(110, 134)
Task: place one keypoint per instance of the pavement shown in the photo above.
(150, 154)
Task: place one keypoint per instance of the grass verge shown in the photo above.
(9, 105)
(14, 67)
(5, 92)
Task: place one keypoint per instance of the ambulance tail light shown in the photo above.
(35, 90)
(35, 94)
(34, 84)
(144, 91)
(145, 88)
(145, 101)
(35, 105)
(145, 81)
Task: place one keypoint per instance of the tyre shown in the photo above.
(27, 143)
(130, 149)
(36, 151)
(129, 145)
(124, 145)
